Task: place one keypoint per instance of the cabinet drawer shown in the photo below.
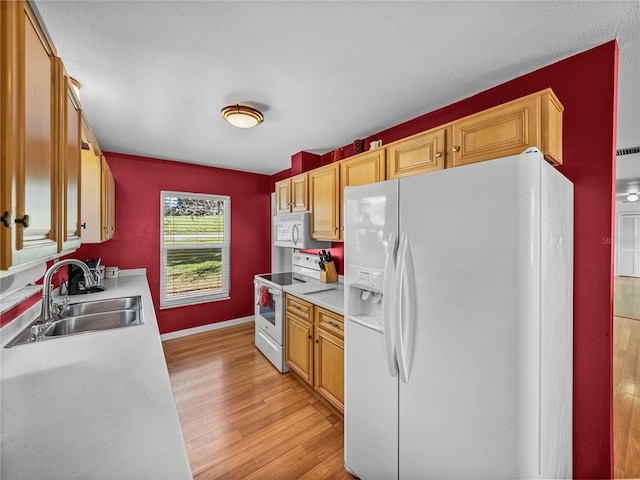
(298, 307)
(330, 321)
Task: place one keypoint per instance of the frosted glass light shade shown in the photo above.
(242, 116)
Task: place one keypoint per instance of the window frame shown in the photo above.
(196, 298)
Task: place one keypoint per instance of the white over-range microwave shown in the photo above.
(293, 230)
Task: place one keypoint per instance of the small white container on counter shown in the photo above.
(111, 272)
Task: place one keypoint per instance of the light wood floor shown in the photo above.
(242, 419)
(626, 377)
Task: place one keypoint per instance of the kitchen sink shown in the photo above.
(84, 317)
(99, 306)
(92, 322)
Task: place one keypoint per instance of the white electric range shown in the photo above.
(269, 307)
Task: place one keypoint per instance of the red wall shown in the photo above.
(136, 243)
(589, 162)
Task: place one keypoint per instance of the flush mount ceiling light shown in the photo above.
(242, 116)
(633, 197)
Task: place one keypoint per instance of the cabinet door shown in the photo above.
(69, 168)
(324, 202)
(91, 196)
(362, 169)
(299, 347)
(299, 193)
(108, 202)
(329, 367)
(498, 132)
(368, 167)
(283, 196)
(28, 97)
(421, 153)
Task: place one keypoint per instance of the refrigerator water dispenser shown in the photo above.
(365, 294)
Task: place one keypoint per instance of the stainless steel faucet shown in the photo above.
(90, 281)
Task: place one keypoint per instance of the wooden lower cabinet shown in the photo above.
(314, 348)
(299, 340)
(299, 337)
(329, 358)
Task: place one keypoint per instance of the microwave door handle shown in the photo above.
(295, 234)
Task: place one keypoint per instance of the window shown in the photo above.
(194, 248)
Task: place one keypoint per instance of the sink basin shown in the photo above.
(85, 317)
(99, 306)
(92, 322)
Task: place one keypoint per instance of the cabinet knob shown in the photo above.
(456, 148)
(438, 154)
(309, 336)
(84, 225)
(6, 219)
(335, 229)
(24, 221)
(317, 341)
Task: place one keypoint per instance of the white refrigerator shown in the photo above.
(458, 323)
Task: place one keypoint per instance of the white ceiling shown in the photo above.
(155, 75)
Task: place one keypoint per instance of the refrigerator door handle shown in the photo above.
(389, 305)
(405, 297)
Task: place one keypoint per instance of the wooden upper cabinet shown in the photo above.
(28, 202)
(368, 167)
(364, 168)
(421, 153)
(300, 193)
(91, 196)
(283, 196)
(108, 212)
(508, 129)
(324, 202)
(292, 194)
(98, 191)
(69, 166)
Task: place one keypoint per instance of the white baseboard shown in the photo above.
(205, 328)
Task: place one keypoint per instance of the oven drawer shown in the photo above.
(300, 308)
(271, 350)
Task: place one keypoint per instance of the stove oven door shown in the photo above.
(269, 312)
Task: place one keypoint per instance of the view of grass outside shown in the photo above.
(193, 240)
(191, 271)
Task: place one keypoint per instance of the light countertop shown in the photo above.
(330, 299)
(92, 406)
